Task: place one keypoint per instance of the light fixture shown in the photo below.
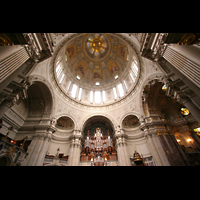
(189, 140)
(185, 111)
(178, 140)
(197, 130)
(164, 87)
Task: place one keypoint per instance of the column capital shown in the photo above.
(76, 134)
(48, 137)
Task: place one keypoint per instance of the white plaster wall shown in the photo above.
(139, 145)
(53, 146)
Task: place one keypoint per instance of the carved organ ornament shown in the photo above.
(98, 148)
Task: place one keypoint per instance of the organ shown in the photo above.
(98, 148)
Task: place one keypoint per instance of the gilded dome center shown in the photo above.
(96, 46)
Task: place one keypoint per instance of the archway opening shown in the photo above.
(5, 161)
(173, 123)
(40, 100)
(98, 144)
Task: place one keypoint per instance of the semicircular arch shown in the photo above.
(108, 117)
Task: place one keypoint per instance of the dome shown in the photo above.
(96, 68)
(96, 46)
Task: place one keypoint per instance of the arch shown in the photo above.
(5, 160)
(70, 117)
(159, 76)
(46, 88)
(127, 114)
(109, 118)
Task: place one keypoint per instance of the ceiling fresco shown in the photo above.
(96, 57)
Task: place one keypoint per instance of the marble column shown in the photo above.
(122, 151)
(128, 163)
(43, 150)
(153, 150)
(31, 148)
(158, 145)
(119, 152)
(70, 154)
(170, 157)
(74, 154)
(36, 151)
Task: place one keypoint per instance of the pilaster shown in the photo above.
(121, 146)
(75, 147)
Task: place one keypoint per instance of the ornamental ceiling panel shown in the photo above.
(96, 57)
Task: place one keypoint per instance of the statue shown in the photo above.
(57, 154)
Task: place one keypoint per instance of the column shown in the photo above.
(78, 155)
(124, 87)
(159, 148)
(119, 154)
(70, 88)
(127, 160)
(74, 155)
(78, 146)
(125, 150)
(77, 92)
(31, 148)
(168, 152)
(153, 150)
(117, 91)
(47, 139)
(70, 154)
(180, 150)
(36, 151)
